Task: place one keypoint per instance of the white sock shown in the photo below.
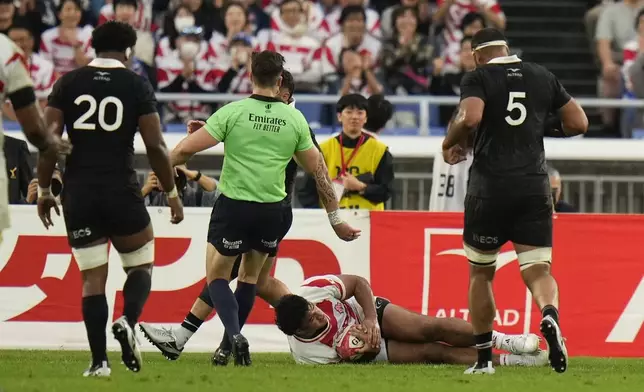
(511, 360)
(497, 340)
(183, 335)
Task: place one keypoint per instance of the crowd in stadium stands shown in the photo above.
(402, 47)
(616, 32)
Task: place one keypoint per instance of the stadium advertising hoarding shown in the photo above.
(413, 258)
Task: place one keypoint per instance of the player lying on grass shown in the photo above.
(317, 318)
(411, 337)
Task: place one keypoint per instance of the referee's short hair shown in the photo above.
(267, 67)
(113, 36)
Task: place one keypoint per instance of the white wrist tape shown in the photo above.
(173, 193)
(334, 218)
(44, 191)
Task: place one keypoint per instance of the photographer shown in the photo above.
(56, 187)
(195, 189)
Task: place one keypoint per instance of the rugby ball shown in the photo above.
(347, 345)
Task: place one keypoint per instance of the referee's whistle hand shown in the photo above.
(194, 125)
(346, 232)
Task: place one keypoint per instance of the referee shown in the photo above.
(261, 134)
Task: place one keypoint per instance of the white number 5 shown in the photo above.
(512, 105)
(82, 123)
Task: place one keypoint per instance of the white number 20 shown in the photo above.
(82, 123)
(512, 105)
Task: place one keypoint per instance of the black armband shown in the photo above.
(23, 97)
(198, 176)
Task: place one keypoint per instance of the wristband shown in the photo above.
(173, 193)
(44, 191)
(334, 218)
(198, 176)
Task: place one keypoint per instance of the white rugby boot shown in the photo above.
(164, 339)
(130, 353)
(101, 370)
(476, 369)
(516, 344)
(538, 359)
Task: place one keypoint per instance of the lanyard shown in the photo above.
(353, 154)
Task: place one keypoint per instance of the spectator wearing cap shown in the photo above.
(41, 70)
(233, 76)
(204, 13)
(354, 37)
(333, 22)
(184, 66)
(235, 22)
(140, 19)
(422, 10)
(360, 164)
(292, 41)
(68, 46)
(19, 169)
(310, 15)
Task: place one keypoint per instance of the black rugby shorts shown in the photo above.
(491, 222)
(238, 226)
(94, 212)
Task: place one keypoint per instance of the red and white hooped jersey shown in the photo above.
(43, 75)
(328, 293)
(61, 53)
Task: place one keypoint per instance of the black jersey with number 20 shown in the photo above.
(102, 104)
(509, 157)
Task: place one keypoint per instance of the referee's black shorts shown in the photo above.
(491, 222)
(238, 226)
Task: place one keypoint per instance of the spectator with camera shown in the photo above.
(195, 189)
(56, 187)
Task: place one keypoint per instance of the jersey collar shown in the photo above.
(106, 63)
(265, 98)
(505, 60)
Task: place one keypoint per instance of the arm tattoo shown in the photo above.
(324, 185)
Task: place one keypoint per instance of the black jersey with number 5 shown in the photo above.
(509, 157)
(101, 105)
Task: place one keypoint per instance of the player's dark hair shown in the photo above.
(288, 83)
(113, 36)
(78, 4)
(267, 67)
(351, 10)
(133, 3)
(379, 112)
(471, 18)
(355, 101)
(290, 312)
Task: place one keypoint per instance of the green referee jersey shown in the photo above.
(260, 136)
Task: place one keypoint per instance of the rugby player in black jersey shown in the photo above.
(510, 105)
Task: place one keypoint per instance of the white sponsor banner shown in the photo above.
(40, 290)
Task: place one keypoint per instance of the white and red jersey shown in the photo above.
(14, 76)
(328, 56)
(61, 53)
(313, 21)
(170, 67)
(331, 23)
(298, 52)
(219, 46)
(453, 33)
(631, 50)
(449, 184)
(42, 74)
(329, 295)
(142, 18)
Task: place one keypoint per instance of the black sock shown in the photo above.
(245, 295)
(484, 348)
(135, 292)
(95, 317)
(226, 305)
(205, 295)
(551, 311)
(191, 323)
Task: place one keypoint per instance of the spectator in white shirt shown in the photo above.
(292, 42)
(41, 70)
(68, 46)
(312, 15)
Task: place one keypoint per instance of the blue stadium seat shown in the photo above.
(312, 111)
